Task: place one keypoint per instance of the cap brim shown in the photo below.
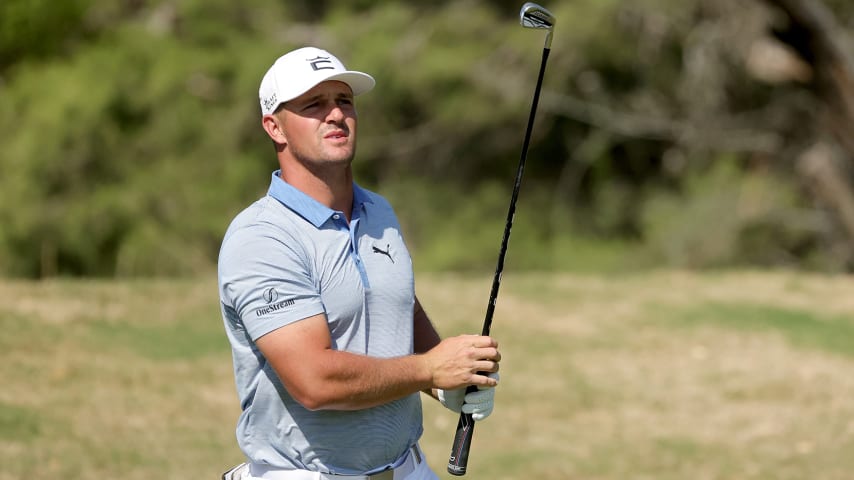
(359, 82)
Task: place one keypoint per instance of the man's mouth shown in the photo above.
(336, 134)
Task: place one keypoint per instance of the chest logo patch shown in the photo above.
(386, 252)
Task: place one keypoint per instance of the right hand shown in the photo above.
(462, 361)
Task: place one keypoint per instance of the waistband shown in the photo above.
(414, 457)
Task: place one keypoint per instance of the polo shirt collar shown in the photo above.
(309, 208)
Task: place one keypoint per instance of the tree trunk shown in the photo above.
(815, 34)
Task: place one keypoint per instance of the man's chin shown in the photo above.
(343, 156)
(340, 160)
(328, 160)
(329, 164)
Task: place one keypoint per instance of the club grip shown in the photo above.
(459, 458)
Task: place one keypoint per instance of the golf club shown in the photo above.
(530, 16)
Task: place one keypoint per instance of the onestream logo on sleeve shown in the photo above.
(271, 298)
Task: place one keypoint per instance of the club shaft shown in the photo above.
(511, 211)
(458, 461)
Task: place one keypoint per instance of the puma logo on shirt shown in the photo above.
(384, 252)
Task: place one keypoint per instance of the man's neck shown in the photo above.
(330, 187)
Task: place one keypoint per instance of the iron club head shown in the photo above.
(536, 16)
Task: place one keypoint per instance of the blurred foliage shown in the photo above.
(131, 132)
(726, 218)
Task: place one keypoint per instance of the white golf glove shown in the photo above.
(479, 403)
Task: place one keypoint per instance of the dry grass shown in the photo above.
(665, 375)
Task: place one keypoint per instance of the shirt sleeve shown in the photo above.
(266, 277)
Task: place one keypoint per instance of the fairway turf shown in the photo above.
(665, 375)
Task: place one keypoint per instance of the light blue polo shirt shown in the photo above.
(285, 258)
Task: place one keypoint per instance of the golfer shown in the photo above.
(331, 347)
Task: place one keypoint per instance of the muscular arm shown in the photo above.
(321, 378)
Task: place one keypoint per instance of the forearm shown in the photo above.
(348, 381)
(320, 377)
(336, 380)
(375, 382)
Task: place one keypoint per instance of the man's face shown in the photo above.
(320, 125)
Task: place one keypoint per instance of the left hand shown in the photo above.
(479, 403)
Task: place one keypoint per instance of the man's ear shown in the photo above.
(272, 126)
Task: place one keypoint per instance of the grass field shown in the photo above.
(666, 375)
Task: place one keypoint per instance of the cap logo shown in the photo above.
(270, 102)
(318, 61)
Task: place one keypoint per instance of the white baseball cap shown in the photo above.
(297, 72)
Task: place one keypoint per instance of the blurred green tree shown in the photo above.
(131, 136)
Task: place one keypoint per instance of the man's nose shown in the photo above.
(335, 114)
